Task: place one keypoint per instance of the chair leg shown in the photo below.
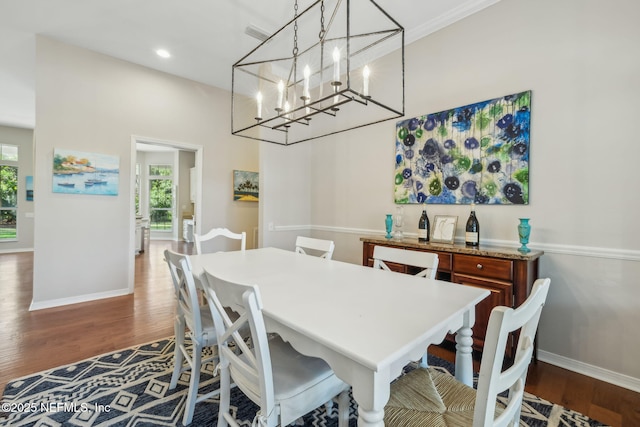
(343, 409)
(423, 362)
(194, 382)
(328, 407)
(179, 330)
(225, 396)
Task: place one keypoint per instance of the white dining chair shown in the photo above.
(195, 322)
(430, 397)
(324, 247)
(216, 232)
(283, 383)
(428, 261)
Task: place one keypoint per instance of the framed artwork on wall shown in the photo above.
(77, 172)
(29, 188)
(444, 228)
(477, 153)
(245, 186)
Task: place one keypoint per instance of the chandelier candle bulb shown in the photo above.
(365, 81)
(336, 65)
(259, 106)
(305, 90)
(280, 95)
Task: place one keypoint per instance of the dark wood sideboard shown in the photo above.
(505, 272)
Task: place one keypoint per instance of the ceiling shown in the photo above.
(205, 37)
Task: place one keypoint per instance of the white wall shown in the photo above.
(578, 58)
(285, 194)
(91, 102)
(23, 138)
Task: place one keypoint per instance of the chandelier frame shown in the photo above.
(276, 126)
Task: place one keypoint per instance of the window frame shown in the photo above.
(155, 177)
(11, 162)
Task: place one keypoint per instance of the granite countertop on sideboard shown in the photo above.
(482, 250)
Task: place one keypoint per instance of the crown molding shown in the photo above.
(448, 18)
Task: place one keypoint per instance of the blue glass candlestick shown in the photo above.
(388, 222)
(524, 229)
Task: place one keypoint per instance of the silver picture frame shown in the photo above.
(444, 229)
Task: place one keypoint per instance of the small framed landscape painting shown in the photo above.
(245, 186)
(77, 172)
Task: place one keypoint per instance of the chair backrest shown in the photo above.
(325, 246)
(428, 261)
(220, 232)
(173, 261)
(188, 303)
(492, 379)
(250, 367)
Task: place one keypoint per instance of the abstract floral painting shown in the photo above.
(477, 153)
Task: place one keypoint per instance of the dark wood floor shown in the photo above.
(43, 339)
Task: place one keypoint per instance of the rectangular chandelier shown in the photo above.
(320, 74)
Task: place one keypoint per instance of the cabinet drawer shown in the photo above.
(483, 266)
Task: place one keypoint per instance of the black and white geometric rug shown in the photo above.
(131, 388)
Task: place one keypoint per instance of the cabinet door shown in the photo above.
(501, 294)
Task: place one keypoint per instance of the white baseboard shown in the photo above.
(40, 305)
(14, 251)
(601, 374)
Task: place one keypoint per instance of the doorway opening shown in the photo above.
(165, 194)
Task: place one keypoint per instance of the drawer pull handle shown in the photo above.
(479, 266)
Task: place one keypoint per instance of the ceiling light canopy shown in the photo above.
(321, 74)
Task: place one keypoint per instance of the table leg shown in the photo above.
(370, 418)
(371, 393)
(464, 342)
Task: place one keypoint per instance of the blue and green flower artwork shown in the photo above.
(477, 153)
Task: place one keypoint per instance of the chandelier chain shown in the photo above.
(295, 29)
(322, 31)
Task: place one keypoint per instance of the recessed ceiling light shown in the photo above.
(163, 53)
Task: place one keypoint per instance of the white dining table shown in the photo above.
(366, 323)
